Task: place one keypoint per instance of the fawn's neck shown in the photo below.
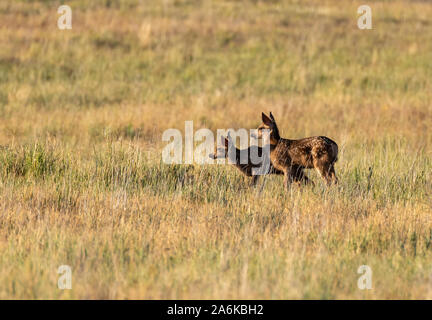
(274, 136)
(272, 140)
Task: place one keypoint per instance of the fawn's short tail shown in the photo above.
(335, 150)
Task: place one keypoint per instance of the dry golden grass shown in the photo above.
(81, 179)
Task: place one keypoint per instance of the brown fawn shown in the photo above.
(293, 156)
(246, 168)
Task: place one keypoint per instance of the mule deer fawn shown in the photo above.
(247, 168)
(293, 156)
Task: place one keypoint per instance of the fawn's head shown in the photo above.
(221, 152)
(269, 123)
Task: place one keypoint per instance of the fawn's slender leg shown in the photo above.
(254, 180)
(332, 174)
(300, 177)
(297, 175)
(323, 170)
(307, 181)
(287, 179)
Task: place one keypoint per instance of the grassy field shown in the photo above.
(82, 183)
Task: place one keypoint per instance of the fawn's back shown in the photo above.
(304, 152)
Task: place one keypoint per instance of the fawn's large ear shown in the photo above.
(272, 118)
(224, 141)
(266, 120)
(229, 136)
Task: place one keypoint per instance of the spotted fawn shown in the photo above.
(293, 156)
(246, 168)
